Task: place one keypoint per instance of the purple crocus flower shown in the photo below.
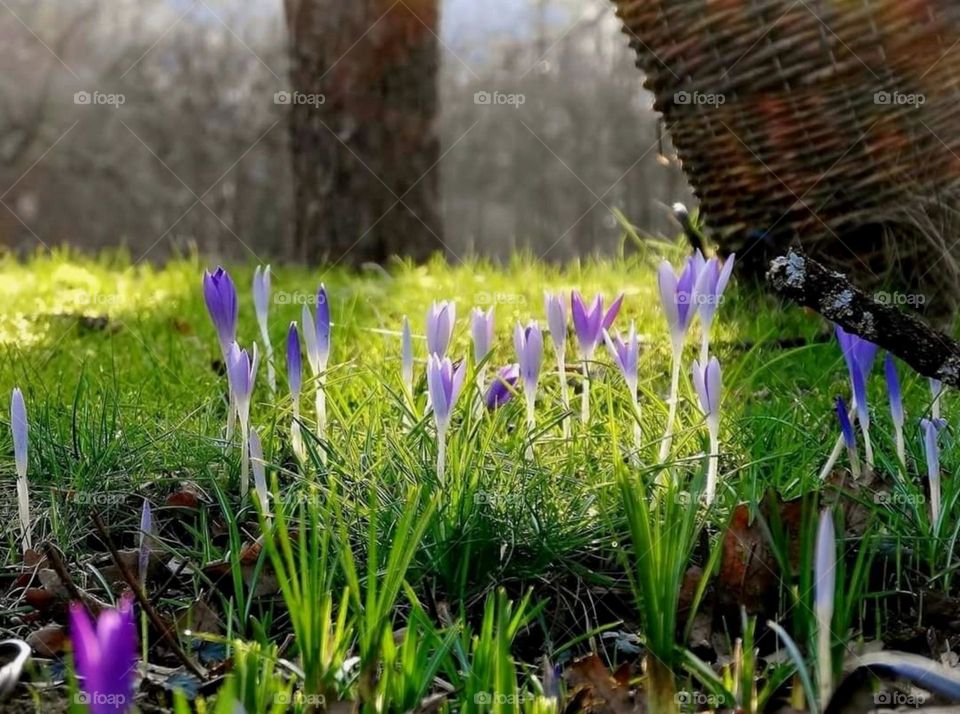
(825, 579)
(589, 323)
(556, 320)
(294, 361)
(441, 319)
(406, 356)
(931, 430)
(709, 294)
(18, 425)
(502, 387)
(708, 381)
(482, 330)
(849, 437)
(220, 295)
(896, 406)
(528, 342)
(678, 296)
(261, 303)
(146, 526)
(105, 656)
(627, 356)
(242, 371)
(444, 382)
(316, 332)
(859, 355)
(259, 468)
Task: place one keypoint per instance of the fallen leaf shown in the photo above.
(49, 641)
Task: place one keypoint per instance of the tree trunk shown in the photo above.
(362, 128)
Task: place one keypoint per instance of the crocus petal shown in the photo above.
(146, 526)
(309, 328)
(667, 284)
(259, 467)
(846, 428)
(406, 353)
(18, 424)
(612, 312)
(893, 390)
(825, 563)
(323, 327)
(528, 342)
(261, 294)
(587, 323)
(437, 389)
(220, 295)
(502, 387)
(441, 318)
(482, 330)
(725, 274)
(556, 320)
(294, 360)
(456, 383)
(714, 383)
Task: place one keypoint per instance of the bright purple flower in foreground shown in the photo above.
(502, 387)
(241, 370)
(481, 330)
(220, 295)
(294, 361)
(627, 356)
(678, 295)
(931, 430)
(589, 323)
(441, 319)
(105, 656)
(528, 342)
(444, 382)
(858, 353)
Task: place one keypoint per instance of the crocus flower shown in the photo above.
(406, 357)
(242, 371)
(259, 469)
(18, 424)
(528, 342)
(441, 319)
(709, 294)
(848, 435)
(677, 297)
(557, 322)
(295, 379)
(931, 430)
(859, 355)
(708, 381)
(896, 406)
(627, 356)
(482, 331)
(444, 382)
(316, 336)
(825, 566)
(220, 294)
(261, 303)
(589, 324)
(502, 387)
(105, 656)
(146, 526)
(936, 388)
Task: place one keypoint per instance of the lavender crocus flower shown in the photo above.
(557, 322)
(316, 336)
(482, 332)
(261, 303)
(825, 566)
(444, 382)
(931, 430)
(295, 380)
(220, 295)
(708, 382)
(105, 656)
(502, 387)
(627, 356)
(441, 319)
(848, 435)
(859, 355)
(406, 358)
(528, 342)
(146, 527)
(589, 324)
(242, 371)
(18, 424)
(259, 470)
(709, 294)
(896, 406)
(677, 297)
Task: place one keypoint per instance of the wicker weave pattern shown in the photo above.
(802, 144)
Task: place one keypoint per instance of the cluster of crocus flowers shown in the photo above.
(931, 432)
(242, 371)
(220, 296)
(482, 334)
(444, 382)
(557, 324)
(528, 342)
(708, 382)
(626, 355)
(295, 382)
(825, 583)
(261, 304)
(589, 324)
(105, 656)
(316, 336)
(18, 425)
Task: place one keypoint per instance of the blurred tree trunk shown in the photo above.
(363, 160)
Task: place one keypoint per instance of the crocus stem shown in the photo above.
(564, 393)
(934, 501)
(231, 418)
(667, 442)
(705, 345)
(713, 466)
(244, 457)
(854, 462)
(321, 397)
(585, 394)
(833, 458)
(901, 446)
(824, 663)
(271, 372)
(441, 455)
(23, 501)
(867, 447)
(296, 437)
(637, 428)
(481, 384)
(531, 421)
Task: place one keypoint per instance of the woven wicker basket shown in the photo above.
(832, 122)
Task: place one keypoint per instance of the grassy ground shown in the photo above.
(120, 369)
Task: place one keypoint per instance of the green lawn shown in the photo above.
(120, 370)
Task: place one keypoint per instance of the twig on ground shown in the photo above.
(929, 351)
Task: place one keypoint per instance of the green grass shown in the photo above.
(119, 366)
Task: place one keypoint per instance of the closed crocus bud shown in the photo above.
(105, 656)
(528, 342)
(261, 296)
(241, 370)
(482, 331)
(294, 361)
(708, 382)
(893, 390)
(825, 578)
(323, 327)
(441, 319)
(931, 431)
(259, 468)
(444, 381)
(220, 295)
(710, 286)
(846, 428)
(677, 296)
(18, 423)
(406, 355)
(626, 354)
(502, 387)
(556, 320)
(146, 526)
